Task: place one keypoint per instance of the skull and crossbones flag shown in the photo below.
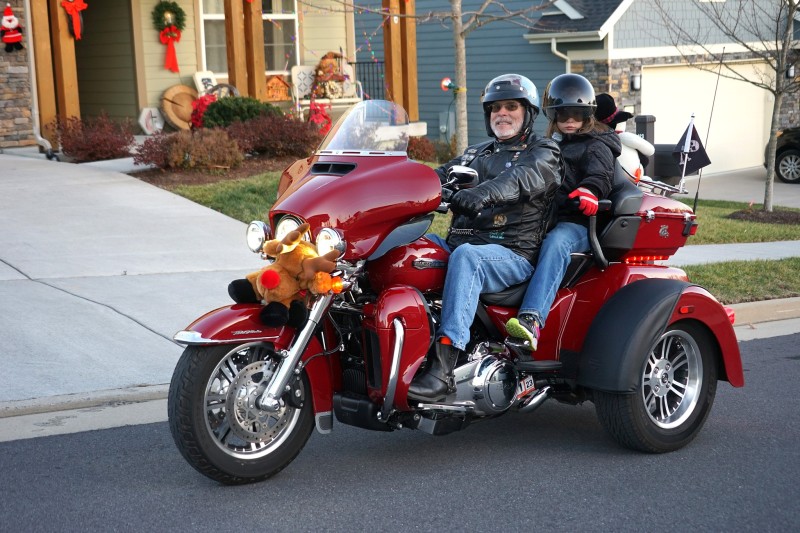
(689, 152)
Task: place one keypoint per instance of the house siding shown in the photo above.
(495, 49)
(323, 30)
(104, 55)
(156, 78)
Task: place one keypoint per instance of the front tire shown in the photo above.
(214, 421)
(677, 386)
(787, 166)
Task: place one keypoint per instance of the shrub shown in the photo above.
(226, 111)
(202, 149)
(445, 151)
(421, 149)
(95, 138)
(275, 136)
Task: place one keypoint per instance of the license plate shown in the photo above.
(525, 386)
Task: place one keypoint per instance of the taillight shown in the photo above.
(644, 259)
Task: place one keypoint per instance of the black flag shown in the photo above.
(695, 156)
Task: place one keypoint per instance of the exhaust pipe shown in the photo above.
(535, 400)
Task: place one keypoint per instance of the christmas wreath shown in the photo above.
(167, 14)
(170, 20)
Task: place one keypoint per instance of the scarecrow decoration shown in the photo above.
(73, 9)
(170, 20)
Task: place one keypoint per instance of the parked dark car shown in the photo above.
(787, 155)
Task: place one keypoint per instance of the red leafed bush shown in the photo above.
(95, 138)
(421, 149)
(276, 136)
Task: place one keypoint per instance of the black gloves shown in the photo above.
(469, 202)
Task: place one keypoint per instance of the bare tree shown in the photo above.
(464, 22)
(759, 29)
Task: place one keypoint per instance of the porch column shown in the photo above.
(235, 46)
(45, 82)
(66, 72)
(400, 54)
(254, 44)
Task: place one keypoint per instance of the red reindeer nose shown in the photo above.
(270, 279)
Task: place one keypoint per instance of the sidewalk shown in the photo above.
(98, 270)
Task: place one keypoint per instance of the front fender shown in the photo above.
(240, 324)
(634, 318)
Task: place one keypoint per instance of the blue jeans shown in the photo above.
(554, 258)
(472, 270)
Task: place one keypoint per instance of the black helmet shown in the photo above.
(569, 90)
(511, 87)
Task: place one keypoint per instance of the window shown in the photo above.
(280, 36)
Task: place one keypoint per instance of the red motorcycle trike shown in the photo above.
(634, 337)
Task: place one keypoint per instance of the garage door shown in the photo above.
(739, 127)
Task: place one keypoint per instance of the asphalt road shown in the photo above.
(553, 469)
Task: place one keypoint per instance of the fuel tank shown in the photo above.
(421, 264)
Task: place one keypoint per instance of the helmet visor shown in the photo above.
(573, 112)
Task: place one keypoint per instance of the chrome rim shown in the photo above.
(673, 375)
(789, 167)
(236, 425)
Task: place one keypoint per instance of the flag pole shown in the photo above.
(685, 153)
(708, 130)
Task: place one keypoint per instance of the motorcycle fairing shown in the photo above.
(406, 304)
(632, 320)
(240, 323)
(408, 189)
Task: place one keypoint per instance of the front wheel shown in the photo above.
(678, 383)
(214, 419)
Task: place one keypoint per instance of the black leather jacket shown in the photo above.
(521, 178)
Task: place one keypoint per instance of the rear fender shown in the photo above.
(240, 324)
(634, 318)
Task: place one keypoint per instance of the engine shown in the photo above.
(486, 384)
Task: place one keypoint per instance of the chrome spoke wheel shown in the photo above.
(238, 426)
(672, 377)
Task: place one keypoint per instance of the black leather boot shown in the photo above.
(437, 381)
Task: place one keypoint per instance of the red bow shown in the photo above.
(169, 36)
(73, 10)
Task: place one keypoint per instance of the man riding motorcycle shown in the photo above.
(497, 226)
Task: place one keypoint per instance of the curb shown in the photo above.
(82, 400)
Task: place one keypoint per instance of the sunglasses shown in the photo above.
(575, 113)
(509, 106)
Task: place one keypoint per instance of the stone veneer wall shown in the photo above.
(16, 124)
(614, 77)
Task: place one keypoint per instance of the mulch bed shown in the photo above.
(777, 216)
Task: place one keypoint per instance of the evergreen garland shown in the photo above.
(179, 15)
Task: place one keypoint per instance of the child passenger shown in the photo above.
(589, 149)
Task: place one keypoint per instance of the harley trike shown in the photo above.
(626, 332)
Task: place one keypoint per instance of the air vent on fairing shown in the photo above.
(337, 169)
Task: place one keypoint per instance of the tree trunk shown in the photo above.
(771, 146)
(462, 131)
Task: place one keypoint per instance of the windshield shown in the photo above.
(374, 127)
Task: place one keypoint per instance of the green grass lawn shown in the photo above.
(733, 282)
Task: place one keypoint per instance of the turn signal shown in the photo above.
(337, 285)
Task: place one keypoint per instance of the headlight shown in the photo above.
(287, 224)
(257, 234)
(329, 239)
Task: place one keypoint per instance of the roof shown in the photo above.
(584, 20)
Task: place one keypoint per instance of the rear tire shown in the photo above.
(787, 166)
(213, 420)
(676, 391)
